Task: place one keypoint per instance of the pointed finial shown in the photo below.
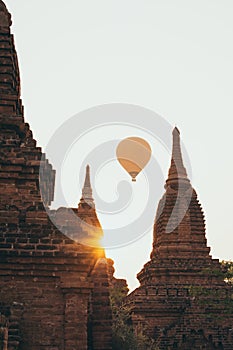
(87, 190)
(175, 130)
(87, 182)
(177, 170)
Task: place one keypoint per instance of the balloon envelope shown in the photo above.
(133, 153)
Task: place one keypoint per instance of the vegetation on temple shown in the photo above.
(124, 336)
(212, 299)
(227, 268)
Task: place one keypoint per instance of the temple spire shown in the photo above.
(87, 190)
(87, 214)
(177, 171)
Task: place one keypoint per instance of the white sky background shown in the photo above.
(174, 57)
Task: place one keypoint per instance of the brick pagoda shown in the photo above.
(183, 301)
(53, 291)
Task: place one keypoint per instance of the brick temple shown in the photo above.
(53, 291)
(182, 302)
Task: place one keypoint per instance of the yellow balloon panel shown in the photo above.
(133, 153)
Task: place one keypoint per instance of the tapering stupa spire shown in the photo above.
(177, 171)
(87, 190)
(87, 214)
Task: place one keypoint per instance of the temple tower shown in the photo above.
(87, 190)
(86, 207)
(54, 291)
(182, 298)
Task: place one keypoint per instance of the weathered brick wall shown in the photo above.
(10, 317)
(100, 317)
(51, 277)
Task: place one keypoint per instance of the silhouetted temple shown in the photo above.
(183, 301)
(53, 292)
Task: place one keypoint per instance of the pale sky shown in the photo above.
(173, 57)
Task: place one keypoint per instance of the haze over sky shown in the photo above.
(173, 57)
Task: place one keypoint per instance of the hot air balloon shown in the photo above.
(133, 153)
